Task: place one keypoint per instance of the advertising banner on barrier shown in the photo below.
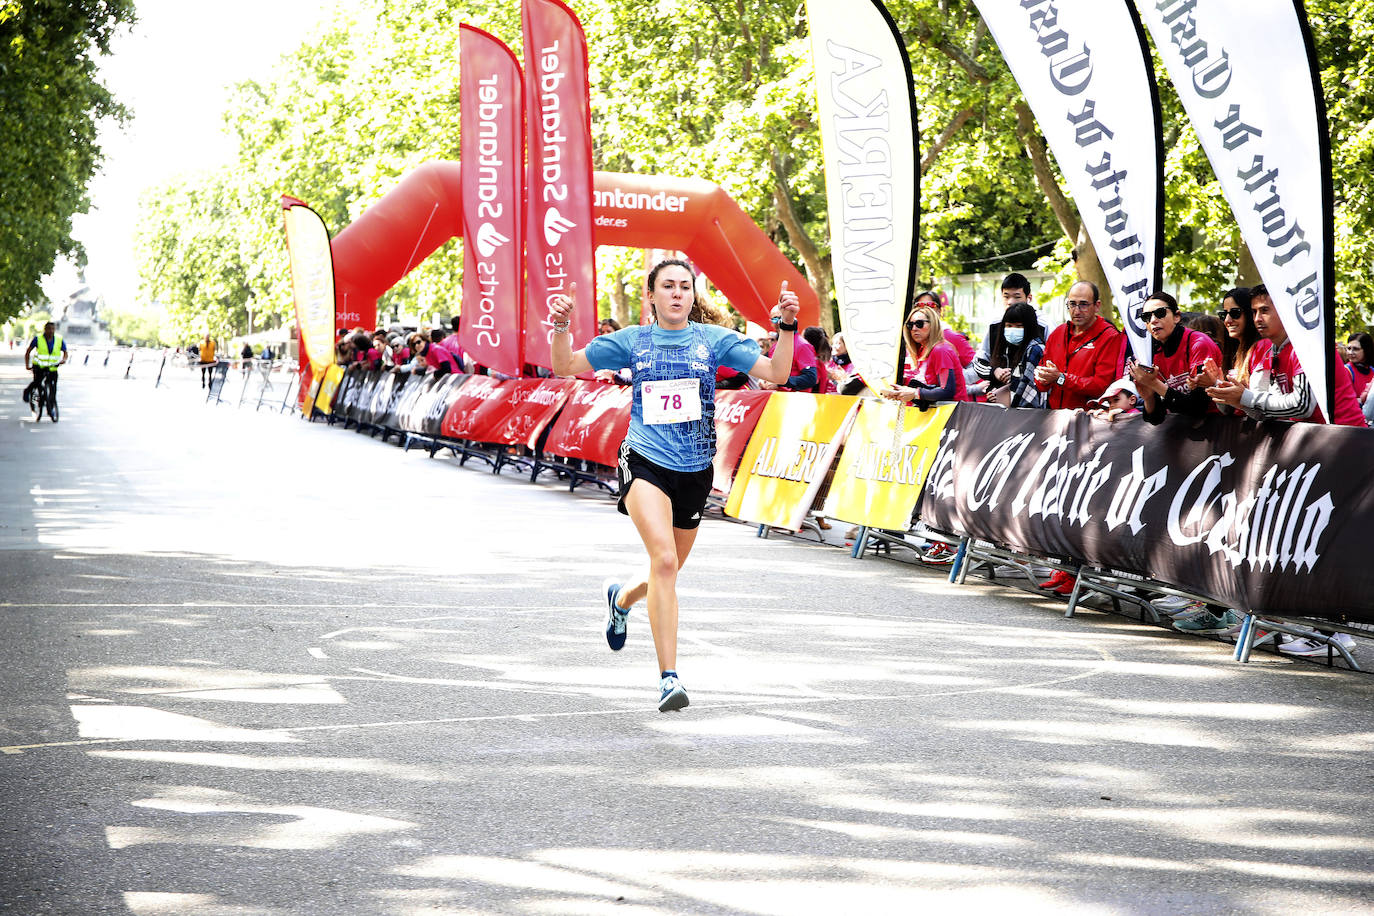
(1247, 76)
(329, 387)
(593, 423)
(441, 397)
(464, 413)
(737, 413)
(867, 115)
(531, 404)
(792, 448)
(558, 215)
(881, 471)
(1085, 70)
(492, 106)
(1262, 517)
(402, 389)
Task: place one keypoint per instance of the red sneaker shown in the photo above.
(1065, 587)
(1056, 579)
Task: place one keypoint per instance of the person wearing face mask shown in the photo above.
(1181, 355)
(1010, 352)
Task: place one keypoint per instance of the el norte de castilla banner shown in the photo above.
(1247, 75)
(1085, 71)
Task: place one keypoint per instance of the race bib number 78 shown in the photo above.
(672, 401)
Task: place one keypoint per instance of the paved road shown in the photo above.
(258, 666)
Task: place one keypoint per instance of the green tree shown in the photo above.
(51, 103)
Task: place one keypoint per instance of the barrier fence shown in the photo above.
(1263, 517)
(257, 383)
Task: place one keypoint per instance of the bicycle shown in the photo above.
(45, 397)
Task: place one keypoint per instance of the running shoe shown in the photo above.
(1206, 623)
(615, 616)
(672, 695)
(1056, 579)
(1301, 645)
(939, 554)
(1189, 611)
(1066, 586)
(1168, 604)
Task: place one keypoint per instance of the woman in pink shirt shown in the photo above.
(936, 372)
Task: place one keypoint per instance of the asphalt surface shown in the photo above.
(258, 666)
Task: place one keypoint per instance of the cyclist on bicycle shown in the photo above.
(46, 352)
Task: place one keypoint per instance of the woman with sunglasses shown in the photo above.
(1180, 354)
(1245, 348)
(665, 461)
(934, 372)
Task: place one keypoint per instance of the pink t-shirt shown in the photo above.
(1259, 356)
(1360, 376)
(803, 356)
(961, 346)
(436, 356)
(930, 369)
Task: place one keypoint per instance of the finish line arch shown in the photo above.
(410, 222)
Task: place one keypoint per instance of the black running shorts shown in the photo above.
(686, 490)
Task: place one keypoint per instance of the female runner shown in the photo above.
(665, 461)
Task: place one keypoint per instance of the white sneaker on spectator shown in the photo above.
(1167, 603)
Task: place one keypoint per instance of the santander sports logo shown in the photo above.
(489, 239)
(556, 225)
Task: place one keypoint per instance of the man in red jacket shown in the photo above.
(1083, 356)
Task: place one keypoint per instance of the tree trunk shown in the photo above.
(1089, 266)
(1247, 270)
(1090, 269)
(818, 268)
(1063, 208)
(946, 135)
(620, 303)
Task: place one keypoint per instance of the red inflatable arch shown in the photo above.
(641, 211)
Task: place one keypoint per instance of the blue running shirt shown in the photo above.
(678, 446)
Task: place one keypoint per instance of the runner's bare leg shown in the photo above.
(668, 547)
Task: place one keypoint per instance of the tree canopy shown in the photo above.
(51, 103)
(721, 91)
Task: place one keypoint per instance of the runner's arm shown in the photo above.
(565, 361)
(777, 367)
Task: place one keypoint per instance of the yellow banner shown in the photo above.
(324, 398)
(791, 450)
(312, 281)
(881, 470)
(308, 403)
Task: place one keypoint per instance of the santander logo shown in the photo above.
(489, 239)
(556, 225)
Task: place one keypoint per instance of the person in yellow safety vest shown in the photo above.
(46, 352)
(207, 359)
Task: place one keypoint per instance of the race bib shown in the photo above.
(675, 400)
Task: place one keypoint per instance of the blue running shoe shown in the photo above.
(615, 616)
(672, 695)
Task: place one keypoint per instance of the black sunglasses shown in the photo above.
(1160, 312)
(918, 323)
(1235, 314)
